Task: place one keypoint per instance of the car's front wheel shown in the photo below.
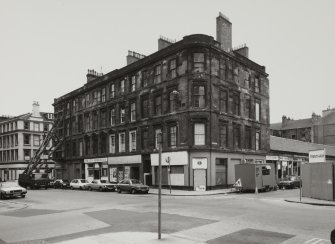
(133, 191)
(119, 190)
(2, 196)
(71, 187)
(23, 196)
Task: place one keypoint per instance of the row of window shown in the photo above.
(36, 140)
(9, 155)
(27, 125)
(130, 83)
(127, 141)
(9, 141)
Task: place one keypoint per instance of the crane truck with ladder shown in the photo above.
(32, 177)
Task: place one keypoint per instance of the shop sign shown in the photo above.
(281, 158)
(94, 160)
(170, 158)
(317, 156)
(273, 158)
(199, 163)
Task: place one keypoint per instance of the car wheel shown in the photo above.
(90, 188)
(133, 191)
(100, 189)
(80, 188)
(146, 192)
(23, 196)
(2, 196)
(119, 190)
(71, 187)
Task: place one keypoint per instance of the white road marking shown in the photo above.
(317, 241)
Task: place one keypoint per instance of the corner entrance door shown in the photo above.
(199, 179)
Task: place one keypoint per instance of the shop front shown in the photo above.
(174, 168)
(125, 167)
(96, 169)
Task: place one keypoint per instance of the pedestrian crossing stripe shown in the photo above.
(317, 241)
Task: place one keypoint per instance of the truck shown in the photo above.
(255, 177)
(32, 176)
(34, 180)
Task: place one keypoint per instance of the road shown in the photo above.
(51, 216)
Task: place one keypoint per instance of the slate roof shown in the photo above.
(295, 146)
(292, 124)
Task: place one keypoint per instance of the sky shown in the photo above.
(46, 47)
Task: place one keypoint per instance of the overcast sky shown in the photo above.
(46, 47)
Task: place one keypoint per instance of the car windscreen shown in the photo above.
(135, 181)
(83, 181)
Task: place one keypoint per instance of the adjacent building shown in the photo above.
(317, 129)
(20, 137)
(209, 101)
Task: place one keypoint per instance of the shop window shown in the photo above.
(122, 142)
(104, 172)
(198, 62)
(199, 96)
(199, 134)
(221, 171)
(177, 169)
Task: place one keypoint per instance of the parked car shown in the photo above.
(61, 184)
(79, 184)
(101, 185)
(132, 186)
(289, 182)
(11, 189)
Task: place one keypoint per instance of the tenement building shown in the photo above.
(316, 129)
(209, 101)
(20, 137)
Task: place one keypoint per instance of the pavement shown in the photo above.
(152, 237)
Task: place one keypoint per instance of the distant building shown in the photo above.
(210, 102)
(316, 129)
(20, 136)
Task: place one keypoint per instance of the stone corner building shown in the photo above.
(210, 101)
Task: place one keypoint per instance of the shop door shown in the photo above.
(135, 173)
(199, 179)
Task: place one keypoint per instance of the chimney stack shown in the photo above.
(164, 42)
(284, 120)
(242, 50)
(92, 75)
(133, 57)
(36, 109)
(224, 32)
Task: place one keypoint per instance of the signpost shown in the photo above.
(160, 135)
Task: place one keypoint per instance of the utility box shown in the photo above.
(251, 175)
(318, 180)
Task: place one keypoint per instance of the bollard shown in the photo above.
(256, 190)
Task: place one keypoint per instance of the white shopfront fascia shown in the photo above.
(133, 159)
(95, 160)
(175, 158)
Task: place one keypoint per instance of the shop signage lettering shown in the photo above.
(317, 156)
(95, 160)
(199, 163)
